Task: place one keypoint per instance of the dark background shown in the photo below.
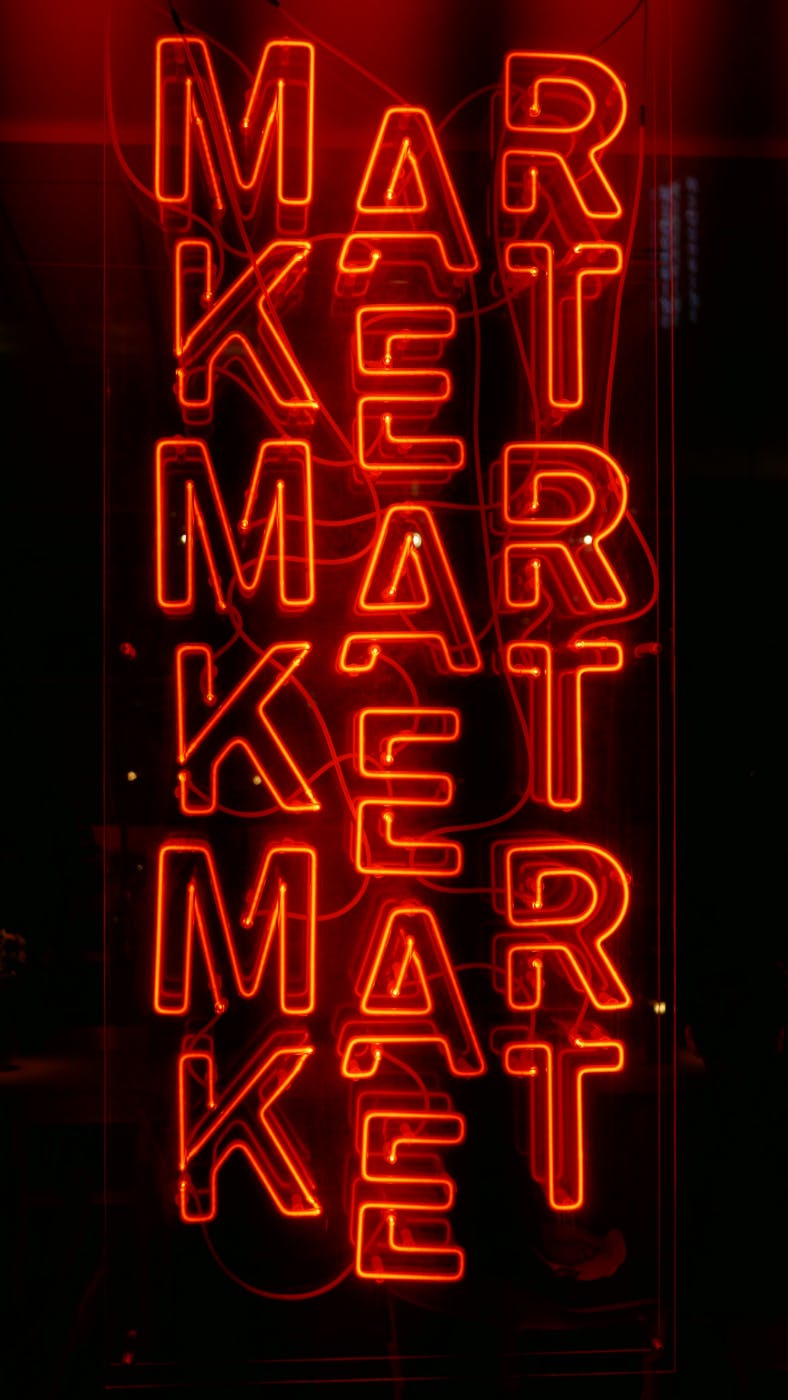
(730, 135)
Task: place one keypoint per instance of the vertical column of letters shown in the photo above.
(253, 183)
(562, 504)
(240, 584)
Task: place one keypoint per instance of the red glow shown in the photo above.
(406, 194)
(561, 288)
(241, 1120)
(362, 256)
(242, 712)
(409, 574)
(278, 509)
(407, 977)
(373, 491)
(404, 342)
(403, 1193)
(383, 450)
(190, 903)
(239, 327)
(556, 1108)
(556, 686)
(191, 121)
(380, 846)
(400, 345)
(571, 897)
(560, 516)
(562, 112)
(555, 144)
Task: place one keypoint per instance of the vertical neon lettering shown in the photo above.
(562, 502)
(562, 111)
(409, 575)
(562, 288)
(566, 899)
(212, 1126)
(191, 125)
(403, 1195)
(407, 204)
(557, 1075)
(242, 712)
(380, 845)
(556, 684)
(239, 327)
(410, 995)
(191, 909)
(276, 518)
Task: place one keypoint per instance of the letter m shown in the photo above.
(191, 914)
(276, 519)
(192, 128)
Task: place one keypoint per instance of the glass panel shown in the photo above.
(389, 765)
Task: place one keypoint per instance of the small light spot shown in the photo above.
(256, 779)
(588, 539)
(183, 539)
(660, 1007)
(416, 541)
(131, 776)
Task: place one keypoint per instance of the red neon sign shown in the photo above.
(189, 502)
(191, 119)
(407, 199)
(557, 1074)
(355, 604)
(403, 1194)
(572, 899)
(410, 996)
(562, 112)
(240, 326)
(192, 909)
(212, 1126)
